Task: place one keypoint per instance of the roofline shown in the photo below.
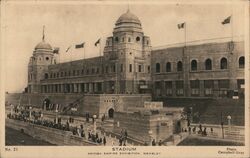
(200, 42)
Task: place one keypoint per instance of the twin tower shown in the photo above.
(125, 66)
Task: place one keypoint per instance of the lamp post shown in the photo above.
(150, 132)
(222, 129)
(11, 109)
(229, 122)
(30, 112)
(56, 116)
(94, 125)
(44, 106)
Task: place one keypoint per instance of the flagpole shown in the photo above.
(232, 27)
(185, 34)
(84, 51)
(100, 47)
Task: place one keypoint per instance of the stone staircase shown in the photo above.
(234, 134)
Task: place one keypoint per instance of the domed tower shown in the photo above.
(129, 50)
(38, 65)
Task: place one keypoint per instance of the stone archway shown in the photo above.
(111, 113)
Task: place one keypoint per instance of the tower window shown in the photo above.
(130, 67)
(138, 39)
(147, 42)
(129, 39)
(122, 39)
(46, 76)
(168, 67)
(193, 65)
(116, 39)
(158, 67)
(208, 64)
(223, 63)
(148, 69)
(47, 58)
(179, 66)
(139, 68)
(242, 62)
(121, 67)
(114, 68)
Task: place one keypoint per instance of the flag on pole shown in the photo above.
(181, 25)
(97, 42)
(56, 50)
(43, 32)
(226, 21)
(68, 49)
(79, 45)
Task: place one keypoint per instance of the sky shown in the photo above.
(67, 24)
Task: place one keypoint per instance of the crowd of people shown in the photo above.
(201, 130)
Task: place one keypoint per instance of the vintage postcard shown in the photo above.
(100, 79)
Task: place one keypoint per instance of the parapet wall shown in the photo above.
(51, 135)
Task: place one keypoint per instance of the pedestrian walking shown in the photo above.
(160, 143)
(153, 142)
(104, 141)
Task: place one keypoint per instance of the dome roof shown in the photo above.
(128, 22)
(128, 17)
(43, 45)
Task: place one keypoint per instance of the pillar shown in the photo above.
(62, 88)
(174, 88)
(90, 87)
(75, 88)
(216, 88)
(202, 90)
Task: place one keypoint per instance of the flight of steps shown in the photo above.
(234, 134)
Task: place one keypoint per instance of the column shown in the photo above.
(90, 87)
(62, 88)
(79, 88)
(202, 90)
(95, 87)
(216, 88)
(75, 88)
(174, 88)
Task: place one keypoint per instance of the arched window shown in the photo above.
(158, 67)
(137, 39)
(168, 67)
(179, 66)
(116, 39)
(46, 75)
(223, 63)
(129, 39)
(208, 64)
(242, 62)
(193, 65)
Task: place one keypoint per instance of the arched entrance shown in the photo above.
(111, 113)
